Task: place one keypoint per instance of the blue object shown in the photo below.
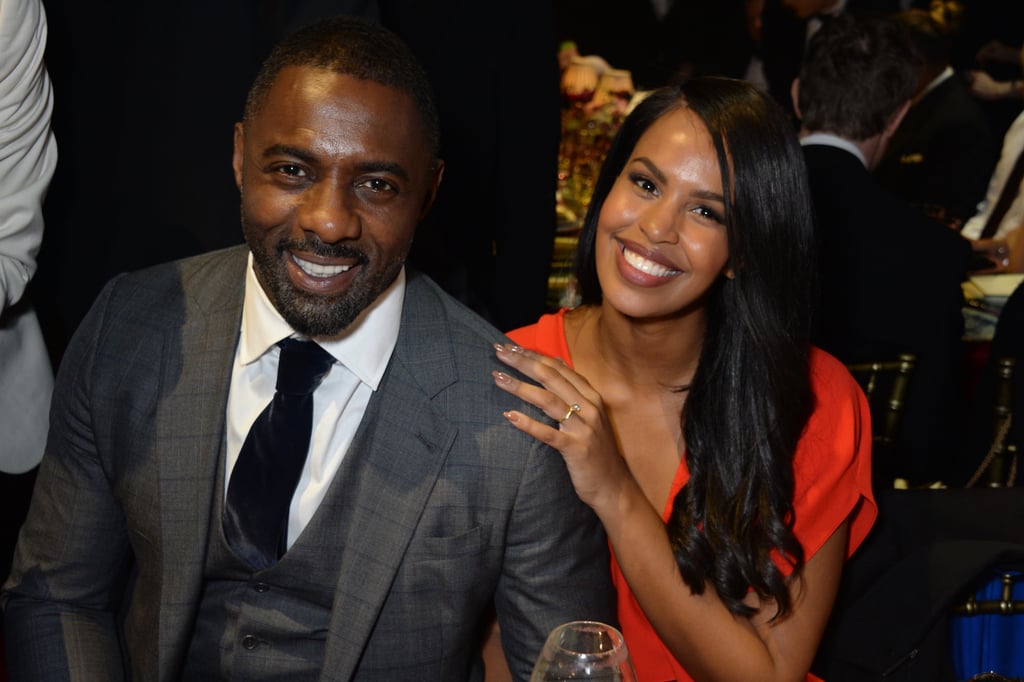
(991, 642)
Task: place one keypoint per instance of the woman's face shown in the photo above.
(661, 240)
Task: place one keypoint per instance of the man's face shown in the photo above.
(335, 173)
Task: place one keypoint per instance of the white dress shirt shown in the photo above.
(830, 140)
(362, 353)
(1013, 146)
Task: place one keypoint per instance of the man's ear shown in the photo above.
(794, 93)
(238, 157)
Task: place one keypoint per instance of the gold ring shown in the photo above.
(573, 409)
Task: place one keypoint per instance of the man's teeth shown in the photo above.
(317, 270)
(647, 266)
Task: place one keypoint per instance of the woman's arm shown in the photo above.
(706, 638)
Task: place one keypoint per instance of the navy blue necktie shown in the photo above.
(269, 464)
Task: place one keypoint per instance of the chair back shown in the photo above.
(885, 384)
(999, 467)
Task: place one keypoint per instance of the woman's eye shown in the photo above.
(709, 214)
(643, 183)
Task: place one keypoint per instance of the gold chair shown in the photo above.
(999, 466)
(885, 383)
(999, 592)
(1003, 604)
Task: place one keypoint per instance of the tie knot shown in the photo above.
(301, 367)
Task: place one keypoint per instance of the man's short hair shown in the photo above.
(855, 75)
(353, 47)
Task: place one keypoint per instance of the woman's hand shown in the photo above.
(584, 435)
(983, 86)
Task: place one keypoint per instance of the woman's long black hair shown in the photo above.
(750, 397)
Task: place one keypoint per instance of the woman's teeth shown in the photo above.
(647, 266)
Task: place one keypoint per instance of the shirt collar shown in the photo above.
(946, 74)
(830, 140)
(364, 348)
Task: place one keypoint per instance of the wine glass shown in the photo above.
(584, 650)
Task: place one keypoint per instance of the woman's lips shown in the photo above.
(646, 261)
(647, 266)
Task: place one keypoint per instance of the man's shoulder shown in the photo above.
(426, 303)
(449, 348)
(159, 298)
(203, 276)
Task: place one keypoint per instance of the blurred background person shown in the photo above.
(660, 42)
(988, 48)
(889, 276)
(787, 25)
(28, 156)
(944, 150)
(995, 228)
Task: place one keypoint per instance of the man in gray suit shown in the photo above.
(418, 509)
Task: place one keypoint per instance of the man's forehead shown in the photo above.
(298, 87)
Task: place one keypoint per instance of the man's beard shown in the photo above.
(320, 315)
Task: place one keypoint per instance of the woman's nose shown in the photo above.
(658, 222)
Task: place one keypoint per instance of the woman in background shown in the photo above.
(728, 460)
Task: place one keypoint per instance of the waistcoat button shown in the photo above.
(261, 587)
(250, 642)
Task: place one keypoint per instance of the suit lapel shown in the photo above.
(388, 475)
(190, 431)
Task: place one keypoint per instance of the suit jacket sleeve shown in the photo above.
(61, 599)
(556, 562)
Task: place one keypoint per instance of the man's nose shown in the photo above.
(328, 210)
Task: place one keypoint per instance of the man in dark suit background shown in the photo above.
(787, 26)
(942, 154)
(418, 511)
(889, 276)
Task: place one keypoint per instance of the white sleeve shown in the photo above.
(28, 150)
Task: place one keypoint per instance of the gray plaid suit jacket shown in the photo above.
(448, 508)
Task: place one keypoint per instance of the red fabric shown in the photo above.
(832, 468)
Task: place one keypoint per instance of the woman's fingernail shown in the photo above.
(516, 349)
(511, 416)
(499, 347)
(501, 377)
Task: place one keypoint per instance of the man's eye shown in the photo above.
(378, 185)
(291, 170)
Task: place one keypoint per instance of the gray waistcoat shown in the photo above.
(270, 624)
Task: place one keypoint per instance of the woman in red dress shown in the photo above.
(728, 460)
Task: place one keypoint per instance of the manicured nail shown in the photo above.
(516, 349)
(499, 347)
(501, 377)
(511, 416)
